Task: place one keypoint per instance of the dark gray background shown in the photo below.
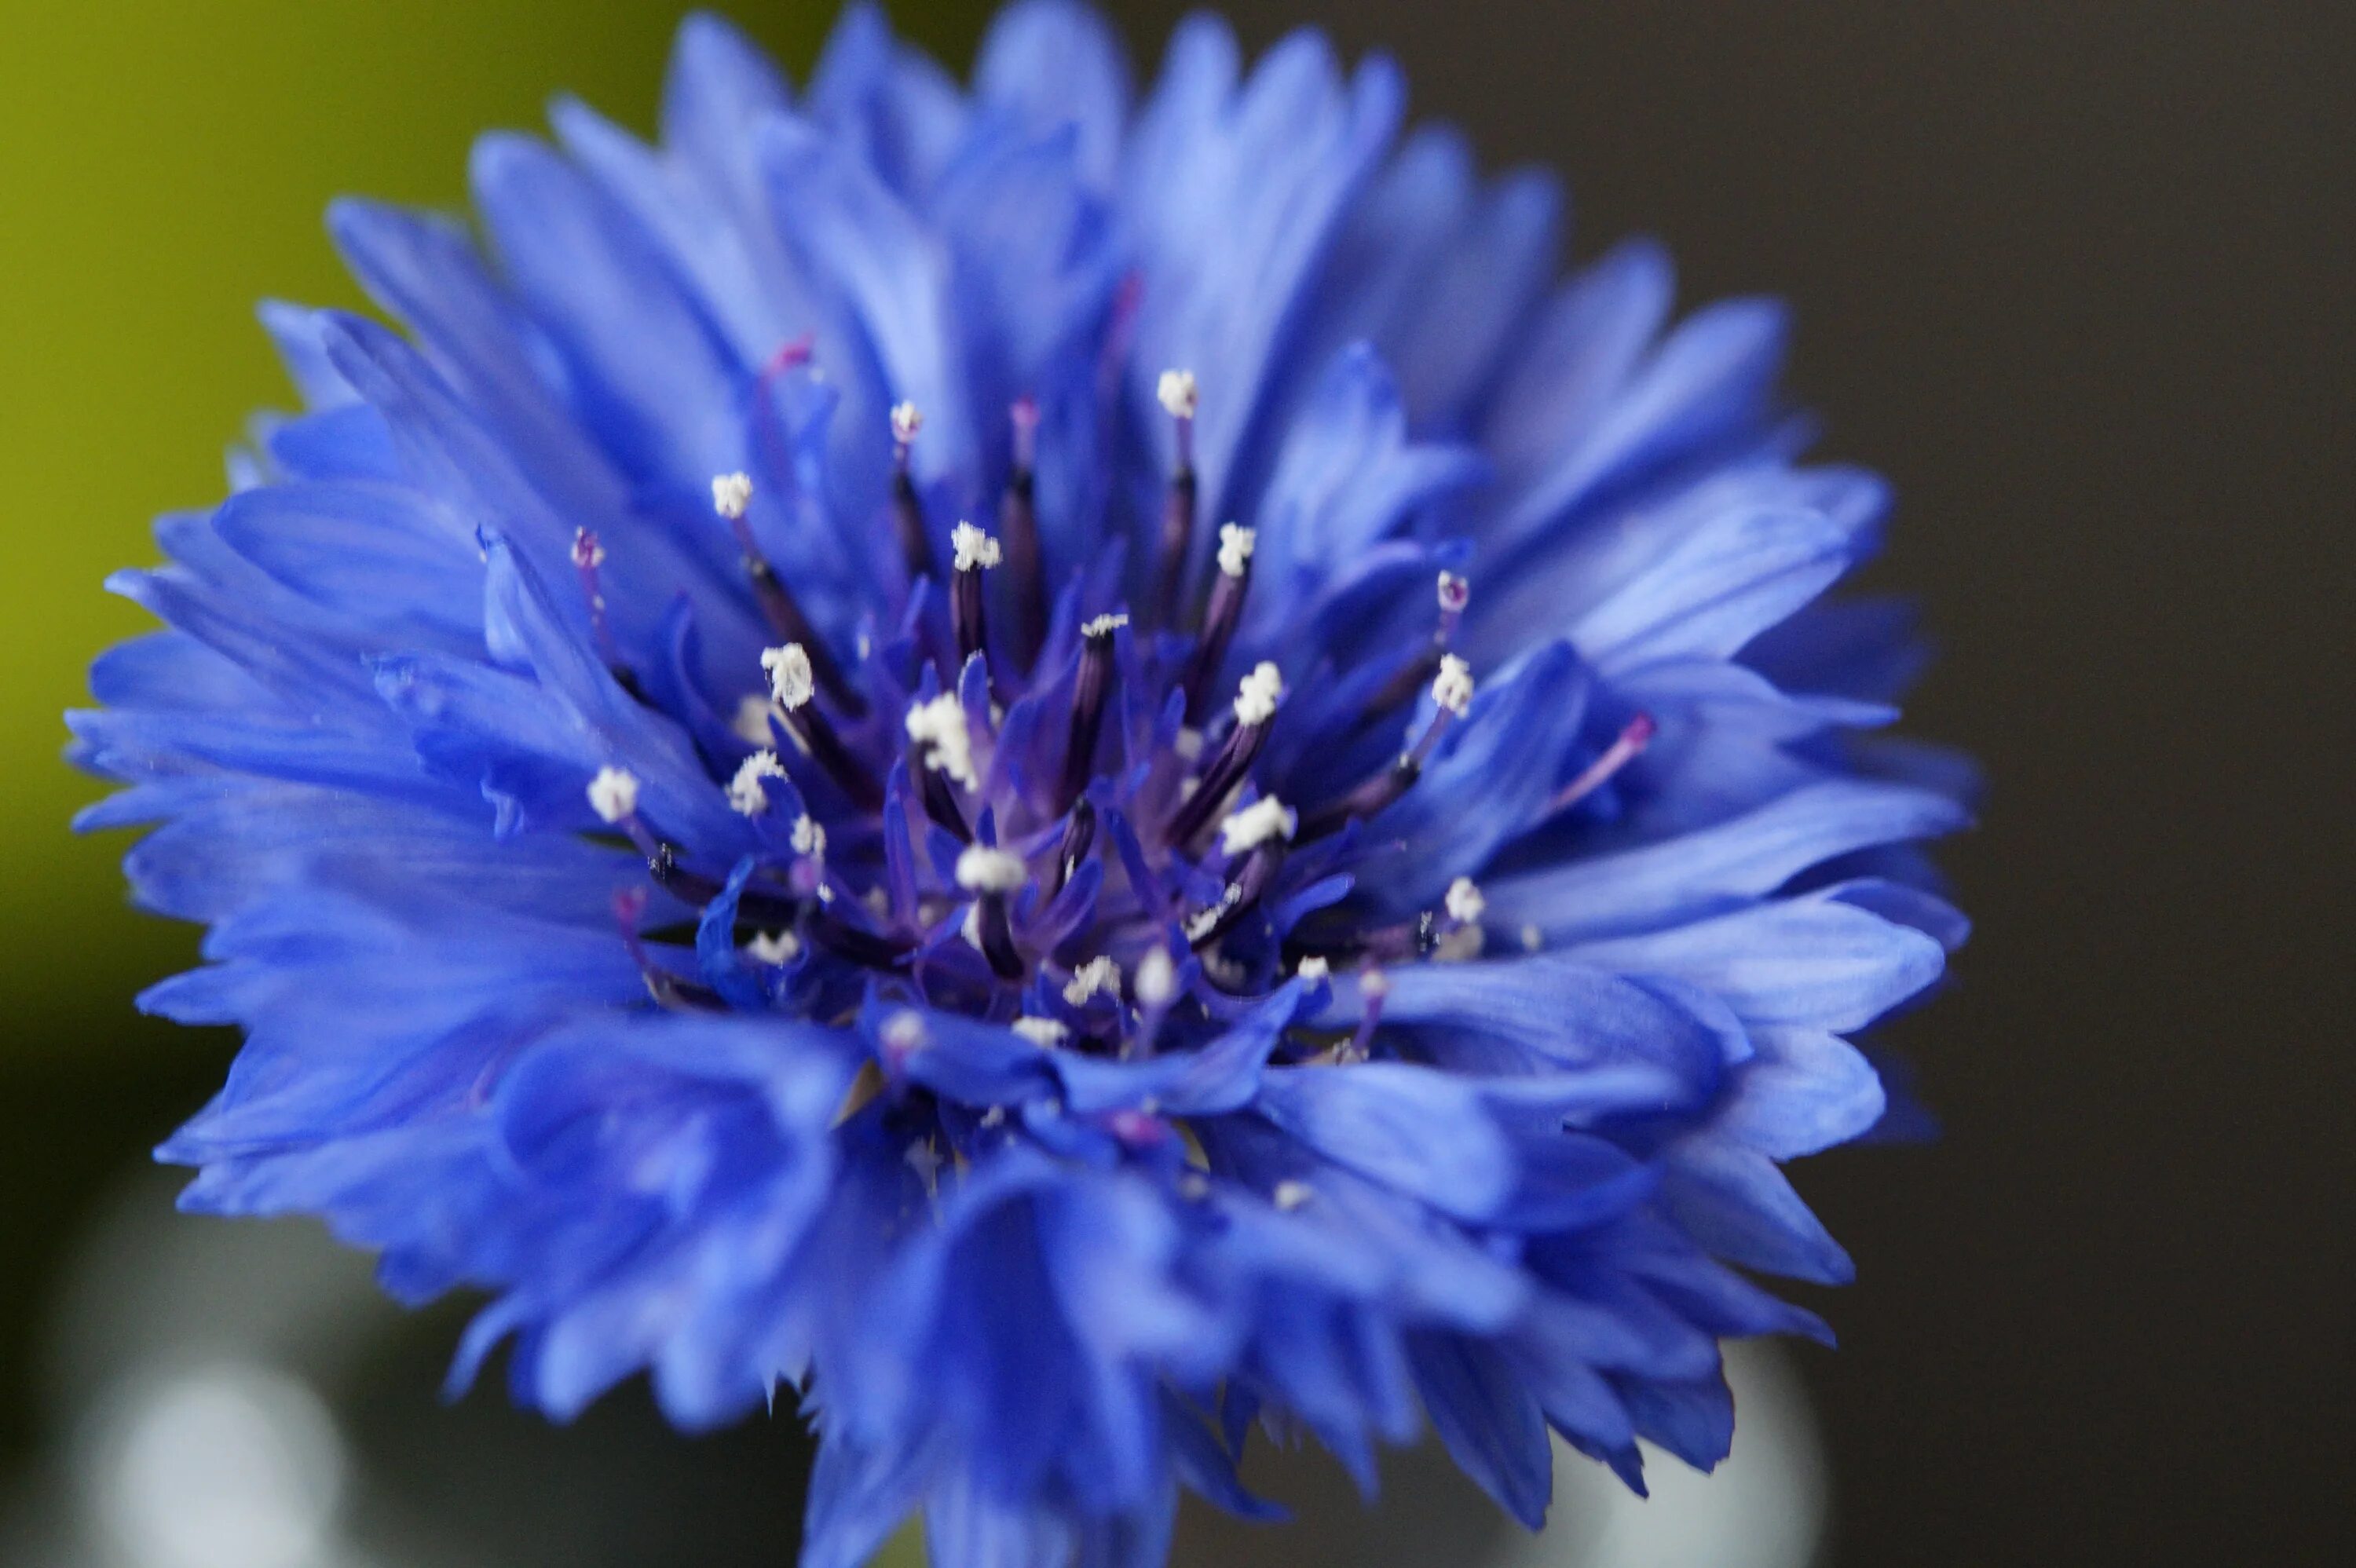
(2076, 277)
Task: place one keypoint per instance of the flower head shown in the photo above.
(707, 934)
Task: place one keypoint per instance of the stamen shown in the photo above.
(1259, 871)
(1090, 688)
(1290, 1195)
(1373, 988)
(1460, 937)
(1464, 903)
(1451, 694)
(1256, 702)
(775, 949)
(1265, 819)
(588, 555)
(810, 838)
(1155, 987)
(1099, 973)
(977, 552)
(1626, 749)
(732, 498)
(1079, 838)
(1045, 1033)
(1018, 521)
(1454, 594)
(792, 686)
(746, 792)
(991, 874)
(1177, 393)
(1221, 617)
(938, 726)
(1314, 968)
(614, 796)
(668, 991)
(907, 510)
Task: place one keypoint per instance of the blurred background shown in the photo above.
(2076, 277)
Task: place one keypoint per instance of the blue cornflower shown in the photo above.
(1064, 773)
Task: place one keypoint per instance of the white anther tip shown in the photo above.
(1313, 969)
(1256, 698)
(982, 870)
(1291, 1195)
(1104, 625)
(1265, 818)
(731, 494)
(1099, 973)
(1045, 1033)
(976, 551)
(614, 793)
(1176, 390)
(1235, 545)
(1465, 904)
(790, 680)
(1452, 688)
(939, 726)
(1454, 593)
(783, 947)
(906, 420)
(810, 838)
(746, 792)
(1157, 978)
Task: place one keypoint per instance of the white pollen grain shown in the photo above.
(976, 551)
(731, 494)
(1099, 973)
(1235, 545)
(614, 793)
(1265, 818)
(1256, 698)
(1464, 902)
(1157, 978)
(782, 947)
(940, 728)
(982, 870)
(746, 792)
(790, 680)
(1452, 689)
(1177, 391)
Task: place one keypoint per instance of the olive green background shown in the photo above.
(163, 167)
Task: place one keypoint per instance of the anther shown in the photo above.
(792, 685)
(1018, 523)
(1256, 701)
(732, 499)
(1265, 818)
(588, 555)
(745, 791)
(907, 511)
(977, 552)
(1251, 880)
(1454, 593)
(1625, 749)
(1099, 973)
(1090, 688)
(1079, 838)
(944, 754)
(1045, 1033)
(1451, 695)
(1221, 617)
(1178, 397)
(991, 875)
